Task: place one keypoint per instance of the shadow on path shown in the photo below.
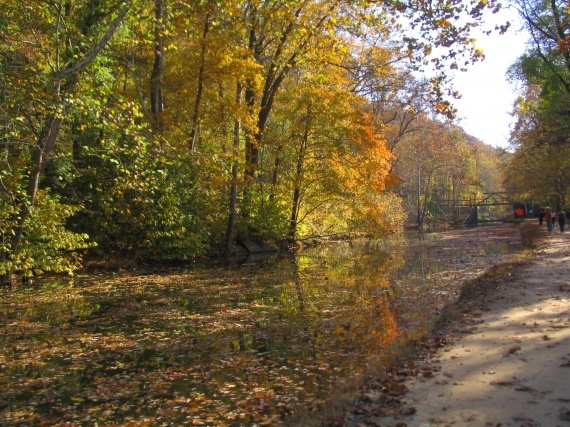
(511, 366)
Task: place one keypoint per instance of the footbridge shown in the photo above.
(487, 207)
(492, 207)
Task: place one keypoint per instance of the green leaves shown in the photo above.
(236, 87)
(47, 245)
(541, 133)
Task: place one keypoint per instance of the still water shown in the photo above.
(247, 345)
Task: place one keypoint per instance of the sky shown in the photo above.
(487, 97)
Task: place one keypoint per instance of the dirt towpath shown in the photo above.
(510, 365)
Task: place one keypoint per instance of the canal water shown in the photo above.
(247, 345)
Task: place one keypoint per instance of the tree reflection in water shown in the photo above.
(225, 346)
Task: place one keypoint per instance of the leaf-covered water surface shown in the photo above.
(249, 345)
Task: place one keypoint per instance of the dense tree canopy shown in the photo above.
(168, 129)
(538, 170)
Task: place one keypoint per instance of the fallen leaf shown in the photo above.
(513, 349)
(502, 383)
(410, 410)
(395, 389)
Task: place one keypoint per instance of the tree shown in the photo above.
(157, 76)
(46, 53)
(534, 171)
(437, 167)
(546, 63)
(541, 134)
(159, 133)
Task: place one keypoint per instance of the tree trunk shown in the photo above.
(50, 131)
(299, 177)
(275, 175)
(196, 114)
(231, 230)
(41, 154)
(42, 151)
(252, 141)
(157, 75)
(419, 198)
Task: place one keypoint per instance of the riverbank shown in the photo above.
(505, 362)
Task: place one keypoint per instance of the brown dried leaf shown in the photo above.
(396, 389)
(410, 410)
(513, 349)
(502, 383)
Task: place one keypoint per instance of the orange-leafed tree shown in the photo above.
(335, 164)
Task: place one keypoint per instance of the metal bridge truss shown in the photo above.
(485, 209)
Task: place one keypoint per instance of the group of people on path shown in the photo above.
(551, 216)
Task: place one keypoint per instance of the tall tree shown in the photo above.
(50, 37)
(546, 63)
(157, 75)
(534, 171)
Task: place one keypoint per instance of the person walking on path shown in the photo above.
(540, 216)
(561, 219)
(548, 219)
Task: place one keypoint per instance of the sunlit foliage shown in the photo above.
(540, 138)
(168, 130)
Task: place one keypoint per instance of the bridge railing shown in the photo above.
(485, 208)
